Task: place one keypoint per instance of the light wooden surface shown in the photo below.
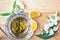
(41, 20)
(42, 5)
(45, 7)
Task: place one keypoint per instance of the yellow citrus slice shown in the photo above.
(34, 26)
(33, 14)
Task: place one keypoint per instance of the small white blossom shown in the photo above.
(19, 7)
(46, 28)
(20, 4)
(50, 24)
(52, 20)
(16, 10)
(53, 17)
(55, 28)
(51, 32)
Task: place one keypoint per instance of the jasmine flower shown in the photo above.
(53, 18)
(52, 23)
(55, 28)
(51, 32)
(46, 27)
(19, 7)
(20, 4)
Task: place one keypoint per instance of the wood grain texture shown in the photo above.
(45, 7)
(41, 20)
(42, 5)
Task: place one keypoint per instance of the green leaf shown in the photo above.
(5, 14)
(44, 36)
(14, 5)
(12, 12)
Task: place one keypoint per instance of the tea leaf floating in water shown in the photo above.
(18, 26)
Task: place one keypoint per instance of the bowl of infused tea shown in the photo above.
(18, 26)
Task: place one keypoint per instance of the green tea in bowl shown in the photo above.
(17, 26)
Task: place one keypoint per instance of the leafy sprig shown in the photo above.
(11, 12)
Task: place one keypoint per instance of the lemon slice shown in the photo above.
(34, 26)
(33, 14)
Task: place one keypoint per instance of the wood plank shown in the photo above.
(45, 7)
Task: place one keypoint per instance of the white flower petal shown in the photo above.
(51, 32)
(46, 27)
(16, 10)
(55, 28)
(50, 24)
(20, 4)
(55, 23)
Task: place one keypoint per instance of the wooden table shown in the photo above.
(41, 20)
(5, 6)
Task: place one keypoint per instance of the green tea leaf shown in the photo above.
(14, 5)
(5, 14)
